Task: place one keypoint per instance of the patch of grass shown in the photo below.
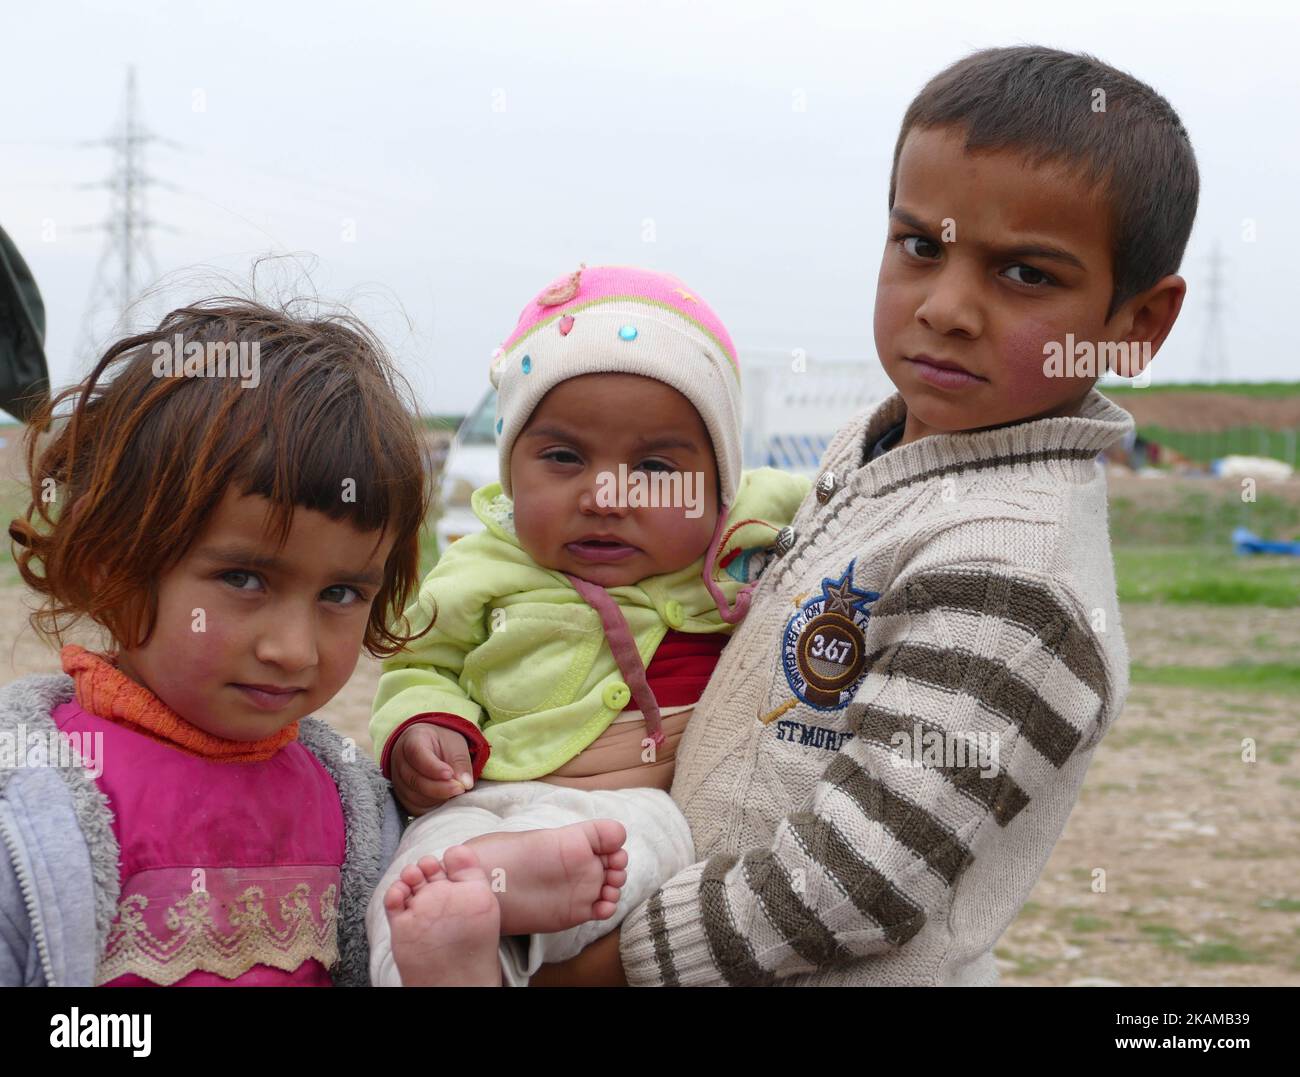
(1268, 389)
(1242, 852)
(1129, 738)
(14, 500)
(1289, 782)
(1282, 677)
(1166, 937)
(1216, 577)
(1025, 964)
(1223, 953)
(1201, 517)
(1279, 905)
(1206, 446)
(1280, 754)
(1088, 923)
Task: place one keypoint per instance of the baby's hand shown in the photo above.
(429, 765)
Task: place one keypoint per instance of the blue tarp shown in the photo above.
(1246, 542)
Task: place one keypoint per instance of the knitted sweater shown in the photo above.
(897, 733)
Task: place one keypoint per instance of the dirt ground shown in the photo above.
(1200, 850)
(1211, 411)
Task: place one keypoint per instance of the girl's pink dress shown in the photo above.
(231, 852)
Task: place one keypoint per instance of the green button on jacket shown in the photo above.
(616, 696)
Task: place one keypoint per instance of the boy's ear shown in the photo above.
(1147, 319)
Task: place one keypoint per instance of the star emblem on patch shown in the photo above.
(823, 650)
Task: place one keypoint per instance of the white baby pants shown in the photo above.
(658, 845)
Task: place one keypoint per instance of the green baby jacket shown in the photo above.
(516, 650)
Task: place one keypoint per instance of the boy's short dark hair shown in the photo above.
(1044, 103)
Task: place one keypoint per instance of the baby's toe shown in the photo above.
(396, 896)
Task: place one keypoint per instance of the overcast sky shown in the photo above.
(434, 164)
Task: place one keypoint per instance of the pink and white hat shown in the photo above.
(621, 320)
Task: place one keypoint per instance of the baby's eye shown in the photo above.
(562, 456)
(920, 247)
(1036, 277)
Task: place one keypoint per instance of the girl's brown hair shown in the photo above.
(146, 455)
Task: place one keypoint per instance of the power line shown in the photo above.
(1214, 351)
(126, 265)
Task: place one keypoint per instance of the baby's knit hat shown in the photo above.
(623, 320)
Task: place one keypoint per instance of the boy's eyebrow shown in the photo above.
(1022, 250)
(245, 555)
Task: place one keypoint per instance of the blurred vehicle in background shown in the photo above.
(471, 462)
(793, 405)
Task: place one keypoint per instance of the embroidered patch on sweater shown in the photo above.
(823, 651)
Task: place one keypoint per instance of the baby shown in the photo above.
(533, 728)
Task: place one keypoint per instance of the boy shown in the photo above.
(897, 733)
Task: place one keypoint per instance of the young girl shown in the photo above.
(239, 494)
(573, 636)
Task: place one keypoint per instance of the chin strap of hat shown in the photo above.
(731, 614)
(626, 655)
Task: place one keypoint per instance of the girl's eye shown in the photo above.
(561, 456)
(920, 247)
(345, 587)
(245, 575)
(239, 577)
(656, 465)
(1036, 277)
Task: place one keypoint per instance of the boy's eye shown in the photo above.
(656, 465)
(562, 456)
(1032, 276)
(920, 247)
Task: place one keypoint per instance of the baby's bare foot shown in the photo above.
(445, 924)
(553, 879)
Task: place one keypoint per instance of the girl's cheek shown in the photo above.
(209, 647)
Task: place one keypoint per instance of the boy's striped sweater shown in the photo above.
(955, 594)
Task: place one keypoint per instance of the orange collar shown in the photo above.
(104, 690)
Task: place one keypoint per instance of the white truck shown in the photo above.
(793, 404)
